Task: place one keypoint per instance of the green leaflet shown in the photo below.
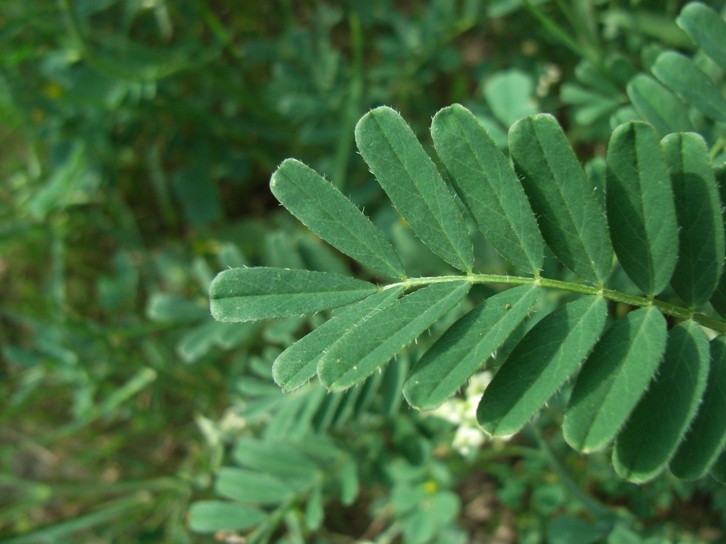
(640, 207)
(682, 75)
(249, 294)
(698, 209)
(488, 187)
(365, 348)
(706, 438)
(251, 486)
(213, 516)
(330, 215)
(569, 215)
(718, 299)
(538, 366)
(298, 363)
(707, 29)
(719, 468)
(413, 184)
(656, 426)
(660, 107)
(509, 95)
(464, 348)
(613, 379)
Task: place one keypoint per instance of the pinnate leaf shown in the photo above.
(706, 438)
(464, 348)
(569, 215)
(698, 209)
(613, 379)
(330, 215)
(657, 425)
(298, 363)
(365, 348)
(414, 185)
(488, 187)
(538, 366)
(249, 294)
(640, 207)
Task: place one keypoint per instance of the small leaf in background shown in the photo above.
(466, 346)
(657, 425)
(698, 210)
(706, 437)
(249, 294)
(213, 516)
(613, 379)
(314, 512)
(660, 107)
(568, 213)
(542, 361)
(509, 94)
(640, 208)
(252, 487)
(681, 74)
(488, 187)
(174, 309)
(707, 29)
(298, 363)
(349, 482)
(330, 215)
(278, 458)
(411, 181)
(718, 471)
(364, 349)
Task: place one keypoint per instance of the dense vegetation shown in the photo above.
(139, 141)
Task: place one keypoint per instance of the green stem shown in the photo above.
(599, 291)
(596, 509)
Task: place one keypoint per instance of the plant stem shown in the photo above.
(599, 291)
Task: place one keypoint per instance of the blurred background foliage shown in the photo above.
(138, 137)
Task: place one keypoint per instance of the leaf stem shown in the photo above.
(608, 294)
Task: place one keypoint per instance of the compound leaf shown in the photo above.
(698, 210)
(464, 348)
(640, 207)
(488, 187)
(249, 294)
(365, 348)
(614, 378)
(330, 215)
(538, 366)
(681, 74)
(569, 215)
(660, 107)
(298, 363)
(657, 425)
(706, 438)
(409, 177)
(706, 28)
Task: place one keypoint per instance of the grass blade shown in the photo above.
(330, 215)
(466, 346)
(413, 184)
(249, 294)
(298, 363)
(488, 187)
(698, 210)
(569, 215)
(706, 438)
(364, 349)
(538, 366)
(614, 378)
(654, 430)
(640, 207)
